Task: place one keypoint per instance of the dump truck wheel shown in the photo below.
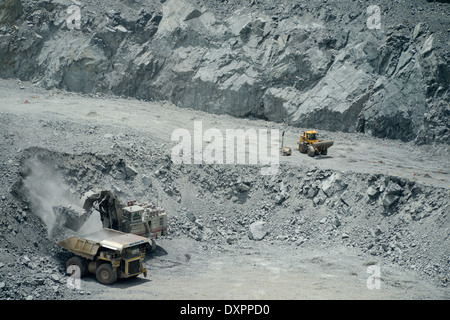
(105, 274)
(92, 267)
(79, 262)
(311, 152)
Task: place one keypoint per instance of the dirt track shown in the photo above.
(264, 273)
(183, 268)
(351, 152)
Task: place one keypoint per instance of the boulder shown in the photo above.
(130, 171)
(388, 200)
(258, 230)
(333, 184)
(191, 216)
(372, 192)
(147, 181)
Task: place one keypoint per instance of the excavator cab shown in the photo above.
(133, 214)
(134, 222)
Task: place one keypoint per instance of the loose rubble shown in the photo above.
(384, 216)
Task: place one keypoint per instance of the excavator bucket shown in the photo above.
(71, 217)
(323, 144)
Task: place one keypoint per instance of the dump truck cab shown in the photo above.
(109, 254)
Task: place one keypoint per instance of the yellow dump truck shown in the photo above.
(109, 254)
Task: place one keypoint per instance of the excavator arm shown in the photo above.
(105, 202)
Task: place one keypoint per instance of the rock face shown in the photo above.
(314, 64)
(9, 11)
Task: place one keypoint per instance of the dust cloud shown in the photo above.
(46, 189)
(93, 224)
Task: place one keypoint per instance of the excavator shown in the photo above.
(146, 219)
(309, 143)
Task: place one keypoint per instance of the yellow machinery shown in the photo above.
(146, 219)
(109, 254)
(285, 151)
(309, 143)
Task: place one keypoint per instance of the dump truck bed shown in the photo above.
(87, 246)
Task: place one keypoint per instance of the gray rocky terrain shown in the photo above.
(95, 106)
(313, 227)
